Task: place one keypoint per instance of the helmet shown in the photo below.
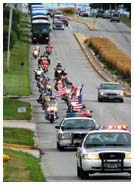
(59, 64)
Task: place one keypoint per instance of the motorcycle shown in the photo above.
(48, 49)
(51, 113)
(35, 53)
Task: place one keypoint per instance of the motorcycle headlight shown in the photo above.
(92, 156)
(128, 155)
(48, 109)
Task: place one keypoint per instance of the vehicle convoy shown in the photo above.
(104, 151)
(72, 131)
(110, 91)
(40, 31)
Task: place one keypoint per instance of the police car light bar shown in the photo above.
(118, 127)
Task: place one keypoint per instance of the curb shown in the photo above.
(80, 39)
(7, 145)
(91, 28)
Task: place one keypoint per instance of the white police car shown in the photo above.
(104, 151)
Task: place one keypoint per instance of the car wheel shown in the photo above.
(83, 174)
(99, 99)
(78, 171)
(121, 100)
(60, 148)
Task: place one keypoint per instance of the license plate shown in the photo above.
(112, 165)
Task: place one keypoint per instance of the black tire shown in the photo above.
(78, 171)
(99, 99)
(83, 174)
(52, 119)
(60, 148)
(121, 100)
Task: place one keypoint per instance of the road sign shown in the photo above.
(22, 109)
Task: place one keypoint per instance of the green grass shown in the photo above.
(10, 110)
(126, 20)
(16, 80)
(22, 167)
(19, 136)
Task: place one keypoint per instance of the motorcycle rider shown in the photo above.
(52, 104)
(49, 49)
(35, 52)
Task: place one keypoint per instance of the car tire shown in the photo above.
(83, 174)
(60, 148)
(78, 171)
(99, 99)
(121, 100)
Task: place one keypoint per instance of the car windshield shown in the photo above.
(40, 28)
(104, 139)
(79, 124)
(111, 86)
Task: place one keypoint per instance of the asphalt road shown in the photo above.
(61, 166)
(119, 33)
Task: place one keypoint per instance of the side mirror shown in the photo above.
(62, 128)
(57, 127)
(91, 111)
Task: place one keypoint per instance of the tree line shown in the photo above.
(15, 26)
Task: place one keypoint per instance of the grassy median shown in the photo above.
(10, 110)
(22, 167)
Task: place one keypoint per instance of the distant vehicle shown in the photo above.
(110, 91)
(43, 17)
(107, 14)
(99, 13)
(104, 151)
(38, 12)
(64, 20)
(115, 17)
(51, 12)
(40, 31)
(58, 25)
(58, 12)
(84, 13)
(72, 131)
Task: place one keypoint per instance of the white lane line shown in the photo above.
(70, 27)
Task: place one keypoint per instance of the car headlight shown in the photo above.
(92, 156)
(121, 93)
(128, 155)
(65, 136)
(101, 93)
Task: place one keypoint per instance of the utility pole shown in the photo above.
(9, 35)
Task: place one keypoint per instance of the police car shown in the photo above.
(72, 131)
(104, 151)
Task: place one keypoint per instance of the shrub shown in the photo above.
(111, 54)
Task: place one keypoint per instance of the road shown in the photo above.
(61, 166)
(119, 33)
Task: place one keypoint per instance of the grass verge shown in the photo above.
(10, 110)
(19, 136)
(126, 21)
(16, 80)
(22, 167)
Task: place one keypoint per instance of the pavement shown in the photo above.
(28, 124)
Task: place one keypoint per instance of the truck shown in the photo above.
(40, 31)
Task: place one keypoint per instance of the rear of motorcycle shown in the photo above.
(52, 116)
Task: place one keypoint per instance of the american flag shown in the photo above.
(62, 90)
(77, 103)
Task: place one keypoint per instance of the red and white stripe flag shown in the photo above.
(77, 103)
(62, 90)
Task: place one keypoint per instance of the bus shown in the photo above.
(40, 31)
